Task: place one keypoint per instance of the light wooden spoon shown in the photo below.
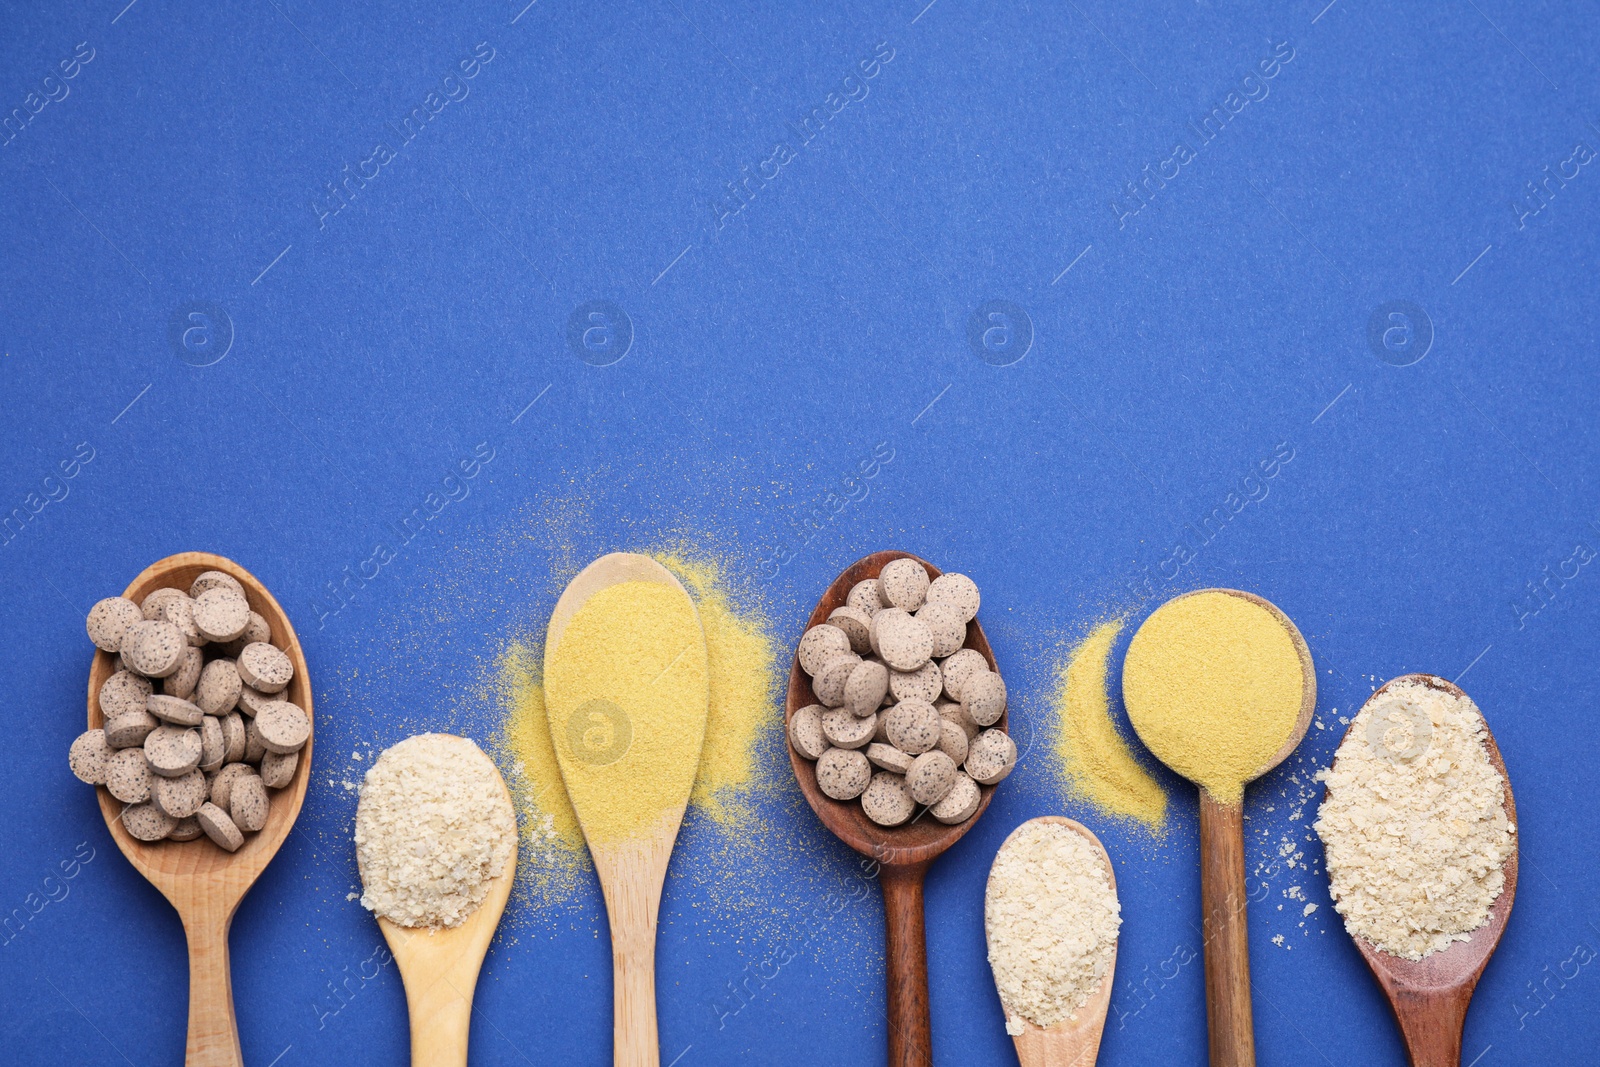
(1072, 1042)
(1429, 997)
(204, 883)
(440, 971)
(631, 867)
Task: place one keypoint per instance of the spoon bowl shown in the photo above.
(1429, 997)
(903, 852)
(204, 883)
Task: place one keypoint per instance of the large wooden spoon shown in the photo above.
(903, 852)
(1429, 997)
(204, 883)
(440, 971)
(1073, 1042)
(594, 731)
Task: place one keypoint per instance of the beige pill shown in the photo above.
(843, 773)
(146, 822)
(154, 648)
(880, 732)
(817, 646)
(123, 692)
(251, 701)
(904, 583)
(181, 682)
(248, 804)
(129, 729)
(924, 683)
(913, 726)
(265, 668)
(151, 605)
(805, 731)
(210, 580)
(960, 803)
(88, 757)
(277, 768)
(213, 749)
(222, 783)
(221, 614)
(174, 710)
(217, 691)
(953, 741)
(185, 830)
(128, 776)
(830, 681)
(991, 757)
(865, 688)
(256, 630)
(283, 727)
(983, 698)
(931, 777)
(948, 628)
(109, 620)
(902, 640)
(950, 711)
(886, 800)
(173, 750)
(219, 827)
(889, 758)
(856, 625)
(957, 590)
(254, 748)
(233, 737)
(846, 730)
(179, 611)
(959, 667)
(179, 797)
(866, 596)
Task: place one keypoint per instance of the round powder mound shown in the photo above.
(1052, 917)
(434, 828)
(1414, 823)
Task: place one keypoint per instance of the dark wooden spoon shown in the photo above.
(1429, 997)
(903, 852)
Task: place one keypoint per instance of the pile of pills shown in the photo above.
(905, 710)
(197, 756)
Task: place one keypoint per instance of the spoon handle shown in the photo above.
(910, 1035)
(213, 1031)
(1226, 933)
(1431, 1022)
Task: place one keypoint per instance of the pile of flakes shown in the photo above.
(1052, 918)
(1414, 824)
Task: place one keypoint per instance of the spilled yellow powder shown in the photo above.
(1098, 765)
(626, 695)
(1213, 686)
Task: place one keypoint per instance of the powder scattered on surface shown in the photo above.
(433, 828)
(1414, 823)
(1052, 919)
(1096, 761)
(1213, 685)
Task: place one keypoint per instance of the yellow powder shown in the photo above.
(626, 695)
(1213, 686)
(1097, 762)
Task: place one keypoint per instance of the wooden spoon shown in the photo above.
(440, 971)
(1429, 997)
(1072, 1042)
(631, 868)
(202, 881)
(1224, 924)
(903, 852)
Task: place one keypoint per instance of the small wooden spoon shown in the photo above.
(903, 852)
(440, 971)
(1072, 1042)
(1230, 1025)
(1429, 997)
(633, 869)
(204, 883)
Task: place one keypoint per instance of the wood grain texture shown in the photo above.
(1429, 997)
(204, 883)
(902, 852)
(1073, 1042)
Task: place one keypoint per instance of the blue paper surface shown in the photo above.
(268, 271)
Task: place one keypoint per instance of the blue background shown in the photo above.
(773, 348)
